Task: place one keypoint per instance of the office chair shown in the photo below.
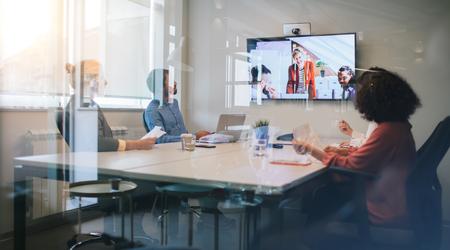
(214, 201)
(423, 193)
(63, 126)
(147, 129)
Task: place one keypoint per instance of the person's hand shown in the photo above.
(144, 144)
(330, 149)
(201, 133)
(345, 128)
(272, 92)
(301, 147)
(262, 84)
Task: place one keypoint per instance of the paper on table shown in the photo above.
(155, 132)
(291, 163)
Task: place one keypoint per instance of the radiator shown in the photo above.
(48, 196)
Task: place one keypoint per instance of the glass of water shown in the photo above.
(187, 142)
(259, 147)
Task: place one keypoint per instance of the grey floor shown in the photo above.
(147, 232)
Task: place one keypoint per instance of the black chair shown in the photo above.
(423, 193)
(63, 125)
(145, 123)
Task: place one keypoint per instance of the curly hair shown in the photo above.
(384, 96)
(347, 69)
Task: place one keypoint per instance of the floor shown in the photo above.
(147, 231)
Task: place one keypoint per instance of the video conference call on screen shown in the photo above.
(318, 67)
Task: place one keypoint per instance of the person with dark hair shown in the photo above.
(387, 99)
(265, 83)
(167, 114)
(301, 78)
(346, 77)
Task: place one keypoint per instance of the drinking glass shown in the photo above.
(187, 142)
(190, 144)
(259, 147)
(302, 133)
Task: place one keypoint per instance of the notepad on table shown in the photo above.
(291, 163)
(155, 132)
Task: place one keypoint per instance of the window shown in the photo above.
(116, 34)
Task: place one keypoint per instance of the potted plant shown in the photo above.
(321, 65)
(261, 129)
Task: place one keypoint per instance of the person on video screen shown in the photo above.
(346, 79)
(301, 76)
(265, 84)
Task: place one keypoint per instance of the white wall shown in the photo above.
(391, 35)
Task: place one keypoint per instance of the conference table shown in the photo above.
(229, 166)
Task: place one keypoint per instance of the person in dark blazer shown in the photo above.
(105, 140)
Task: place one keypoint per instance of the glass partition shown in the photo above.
(83, 81)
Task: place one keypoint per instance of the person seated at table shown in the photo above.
(357, 138)
(105, 139)
(166, 115)
(389, 152)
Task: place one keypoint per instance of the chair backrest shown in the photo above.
(145, 122)
(231, 124)
(424, 189)
(63, 125)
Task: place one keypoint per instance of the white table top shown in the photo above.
(229, 166)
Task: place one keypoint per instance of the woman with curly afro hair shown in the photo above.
(387, 99)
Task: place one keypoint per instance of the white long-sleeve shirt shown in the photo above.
(358, 138)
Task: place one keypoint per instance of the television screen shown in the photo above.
(319, 67)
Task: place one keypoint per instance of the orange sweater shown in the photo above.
(293, 78)
(390, 153)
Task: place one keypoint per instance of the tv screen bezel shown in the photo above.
(281, 38)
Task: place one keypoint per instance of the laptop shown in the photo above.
(231, 124)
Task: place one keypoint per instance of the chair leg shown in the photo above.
(241, 231)
(131, 220)
(216, 230)
(161, 219)
(166, 220)
(191, 228)
(79, 215)
(247, 229)
(122, 212)
(256, 218)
